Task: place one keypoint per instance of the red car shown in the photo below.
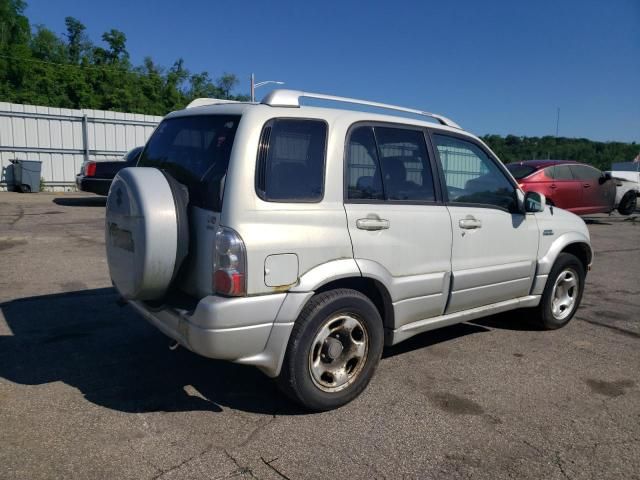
(577, 187)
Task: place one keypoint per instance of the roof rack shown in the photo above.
(291, 98)
(200, 102)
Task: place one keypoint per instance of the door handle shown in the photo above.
(470, 223)
(586, 185)
(553, 185)
(372, 224)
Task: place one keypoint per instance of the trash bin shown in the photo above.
(26, 175)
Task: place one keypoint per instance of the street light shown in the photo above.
(255, 85)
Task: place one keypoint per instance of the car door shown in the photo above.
(596, 191)
(566, 191)
(400, 229)
(494, 249)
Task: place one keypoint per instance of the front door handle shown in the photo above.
(586, 185)
(470, 223)
(372, 224)
(553, 185)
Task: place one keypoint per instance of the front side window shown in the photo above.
(471, 176)
(585, 173)
(387, 163)
(291, 159)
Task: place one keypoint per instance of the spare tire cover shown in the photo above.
(142, 233)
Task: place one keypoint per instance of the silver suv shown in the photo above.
(302, 239)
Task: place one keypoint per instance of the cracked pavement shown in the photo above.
(89, 390)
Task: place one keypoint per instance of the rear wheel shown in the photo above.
(333, 351)
(562, 293)
(628, 203)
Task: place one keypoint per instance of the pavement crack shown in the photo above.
(558, 462)
(254, 433)
(241, 470)
(269, 464)
(183, 463)
(621, 331)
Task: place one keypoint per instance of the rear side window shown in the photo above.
(195, 150)
(520, 171)
(388, 164)
(559, 172)
(291, 159)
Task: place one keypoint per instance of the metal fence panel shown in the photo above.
(62, 138)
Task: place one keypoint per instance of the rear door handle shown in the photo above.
(372, 224)
(586, 185)
(470, 223)
(553, 185)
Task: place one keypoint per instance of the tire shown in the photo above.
(147, 232)
(334, 349)
(556, 307)
(24, 188)
(628, 203)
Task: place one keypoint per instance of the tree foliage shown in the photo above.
(599, 154)
(39, 67)
(70, 71)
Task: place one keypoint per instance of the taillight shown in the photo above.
(229, 264)
(90, 169)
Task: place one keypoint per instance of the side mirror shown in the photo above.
(605, 177)
(534, 202)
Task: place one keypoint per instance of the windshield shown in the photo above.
(195, 150)
(520, 171)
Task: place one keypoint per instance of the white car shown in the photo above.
(627, 177)
(302, 239)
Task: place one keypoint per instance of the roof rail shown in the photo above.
(200, 102)
(291, 98)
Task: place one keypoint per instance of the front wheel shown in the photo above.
(628, 203)
(333, 351)
(562, 293)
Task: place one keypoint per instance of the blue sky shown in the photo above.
(494, 67)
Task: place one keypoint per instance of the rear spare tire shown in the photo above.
(146, 232)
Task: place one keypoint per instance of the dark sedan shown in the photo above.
(577, 187)
(96, 177)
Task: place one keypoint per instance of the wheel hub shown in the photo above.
(332, 348)
(338, 352)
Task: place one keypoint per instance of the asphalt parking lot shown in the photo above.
(89, 390)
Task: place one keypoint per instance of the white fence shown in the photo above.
(62, 139)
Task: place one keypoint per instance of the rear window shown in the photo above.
(291, 157)
(520, 171)
(195, 150)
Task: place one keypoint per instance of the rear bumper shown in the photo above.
(93, 185)
(250, 330)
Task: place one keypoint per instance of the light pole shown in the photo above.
(255, 85)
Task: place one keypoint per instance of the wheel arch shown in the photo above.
(372, 289)
(575, 243)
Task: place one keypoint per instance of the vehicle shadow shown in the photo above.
(517, 320)
(81, 201)
(433, 337)
(119, 361)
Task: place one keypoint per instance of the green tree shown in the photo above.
(78, 42)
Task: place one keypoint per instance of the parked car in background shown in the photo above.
(577, 187)
(627, 178)
(96, 176)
